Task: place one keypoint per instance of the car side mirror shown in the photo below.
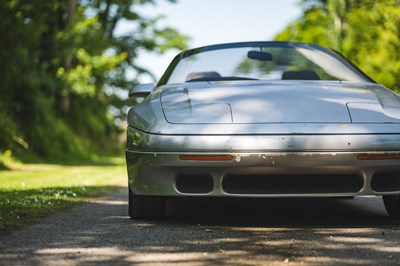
(141, 90)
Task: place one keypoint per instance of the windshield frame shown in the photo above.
(167, 74)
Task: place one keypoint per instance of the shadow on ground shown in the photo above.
(213, 232)
(362, 211)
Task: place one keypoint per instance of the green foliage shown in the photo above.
(62, 69)
(367, 32)
(7, 161)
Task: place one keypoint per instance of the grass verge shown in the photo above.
(35, 190)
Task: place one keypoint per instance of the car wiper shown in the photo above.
(220, 79)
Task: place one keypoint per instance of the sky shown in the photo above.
(218, 21)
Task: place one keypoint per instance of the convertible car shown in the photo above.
(262, 119)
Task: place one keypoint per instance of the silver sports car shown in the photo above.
(262, 119)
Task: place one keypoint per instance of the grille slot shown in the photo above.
(386, 181)
(194, 183)
(292, 184)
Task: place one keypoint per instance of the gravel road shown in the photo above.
(211, 232)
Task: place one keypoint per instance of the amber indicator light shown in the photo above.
(378, 156)
(206, 157)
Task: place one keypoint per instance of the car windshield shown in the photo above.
(261, 61)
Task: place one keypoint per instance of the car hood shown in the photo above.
(278, 102)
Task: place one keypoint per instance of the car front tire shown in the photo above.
(392, 205)
(145, 207)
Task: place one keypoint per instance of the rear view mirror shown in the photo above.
(261, 56)
(141, 90)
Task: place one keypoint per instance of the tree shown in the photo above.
(62, 67)
(367, 32)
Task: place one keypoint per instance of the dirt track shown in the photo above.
(211, 232)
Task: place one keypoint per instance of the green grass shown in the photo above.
(35, 190)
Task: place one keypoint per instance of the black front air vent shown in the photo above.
(194, 183)
(386, 181)
(292, 184)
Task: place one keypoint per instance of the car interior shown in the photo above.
(286, 75)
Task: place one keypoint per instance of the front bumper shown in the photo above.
(263, 166)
